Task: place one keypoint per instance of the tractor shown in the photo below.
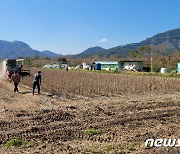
(11, 65)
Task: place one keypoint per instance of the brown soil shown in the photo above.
(57, 125)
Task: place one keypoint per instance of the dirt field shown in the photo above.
(87, 125)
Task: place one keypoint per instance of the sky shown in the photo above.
(72, 26)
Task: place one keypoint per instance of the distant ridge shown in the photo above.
(20, 49)
(170, 41)
(50, 54)
(90, 52)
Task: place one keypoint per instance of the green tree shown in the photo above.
(144, 50)
(36, 57)
(62, 60)
(134, 54)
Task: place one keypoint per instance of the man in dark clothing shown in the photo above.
(16, 79)
(37, 82)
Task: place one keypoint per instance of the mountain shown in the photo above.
(50, 54)
(170, 38)
(20, 49)
(168, 42)
(89, 52)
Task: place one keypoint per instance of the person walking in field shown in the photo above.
(37, 82)
(16, 79)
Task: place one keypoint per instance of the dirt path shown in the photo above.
(100, 125)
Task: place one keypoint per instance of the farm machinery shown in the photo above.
(11, 65)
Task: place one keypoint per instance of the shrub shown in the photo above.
(94, 131)
(15, 142)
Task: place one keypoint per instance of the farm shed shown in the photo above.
(108, 65)
(132, 65)
(64, 66)
(52, 66)
(121, 65)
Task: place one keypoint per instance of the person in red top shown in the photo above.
(16, 79)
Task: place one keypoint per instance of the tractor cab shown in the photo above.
(12, 65)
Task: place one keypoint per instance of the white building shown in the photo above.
(132, 65)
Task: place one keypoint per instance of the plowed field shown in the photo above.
(87, 125)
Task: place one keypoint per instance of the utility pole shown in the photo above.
(152, 55)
